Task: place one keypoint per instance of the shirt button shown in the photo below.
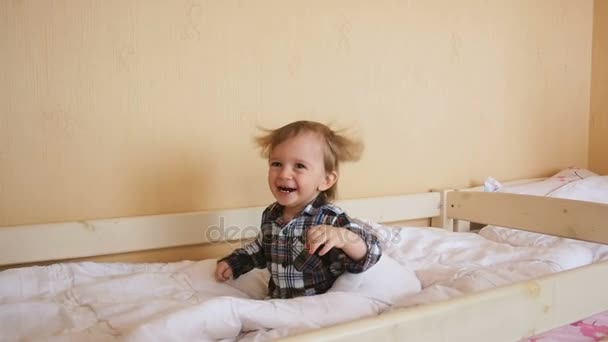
(285, 264)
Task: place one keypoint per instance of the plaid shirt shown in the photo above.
(281, 249)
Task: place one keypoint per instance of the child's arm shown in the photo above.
(242, 260)
(360, 245)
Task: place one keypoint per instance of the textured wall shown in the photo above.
(598, 135)
(119, 108)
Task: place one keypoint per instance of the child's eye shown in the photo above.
(275, 164)
(300, 166)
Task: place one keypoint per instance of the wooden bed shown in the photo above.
(506, 313)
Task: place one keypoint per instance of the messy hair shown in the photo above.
(337, 148)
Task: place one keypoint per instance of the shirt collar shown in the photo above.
(310, 209)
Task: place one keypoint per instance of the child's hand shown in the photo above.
(330, 237)
(223, 271)
(324, 237)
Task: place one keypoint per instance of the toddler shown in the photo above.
(306, 242)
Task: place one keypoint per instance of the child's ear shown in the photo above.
(329, 180)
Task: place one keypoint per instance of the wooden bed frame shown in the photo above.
(506, 313)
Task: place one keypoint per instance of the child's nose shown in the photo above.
(285, 173)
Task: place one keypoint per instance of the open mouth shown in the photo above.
(286, 189)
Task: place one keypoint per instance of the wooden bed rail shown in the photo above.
(106, 237)
(507, 313)
(573, 219)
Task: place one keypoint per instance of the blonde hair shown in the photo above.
(337, 148)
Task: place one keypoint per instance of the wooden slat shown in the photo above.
(465, 226)
(394, 208)
(506, 184)
(171, 254)
(507, 313)
(43, 242)
(23, 244)
(555, 216)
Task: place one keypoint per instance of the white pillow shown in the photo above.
(540, 188)
(574, 173)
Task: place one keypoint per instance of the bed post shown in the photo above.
(442, 221)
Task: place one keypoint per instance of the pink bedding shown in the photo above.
(591, 329)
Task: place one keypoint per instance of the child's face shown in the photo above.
(296, 173)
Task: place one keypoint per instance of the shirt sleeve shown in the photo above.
(374, 251)
(243, 260)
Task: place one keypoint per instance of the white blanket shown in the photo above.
(181, 301)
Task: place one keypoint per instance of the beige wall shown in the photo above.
(120, 108)
(598, 135)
